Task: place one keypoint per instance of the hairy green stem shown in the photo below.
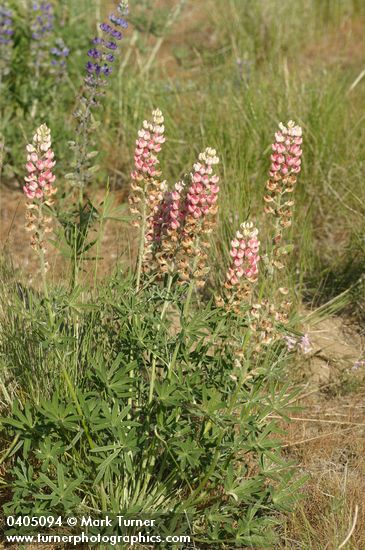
(10, 448)
(81, 195)
(192, 282)
(188, 298)
(78, 406)
(163, 312)
(153, 379)
(81, 153)
(173, 361)
(141, 245)
(185, 313)
(42, 261)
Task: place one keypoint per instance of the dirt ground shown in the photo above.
(117, 242)
(326, 439)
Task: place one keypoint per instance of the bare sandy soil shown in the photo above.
(117, 242)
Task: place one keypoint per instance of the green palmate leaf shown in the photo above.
(49, 451)
(286, 494)
(104, 469)
(64, 415)
(187, 453)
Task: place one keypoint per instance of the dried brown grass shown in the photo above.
(333, 454)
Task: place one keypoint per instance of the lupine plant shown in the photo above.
(285, 165)
(102, 55)
(42, 26)
(28, 32)
(157, 390)
(39, 191)
(174, 226)
(168, 385)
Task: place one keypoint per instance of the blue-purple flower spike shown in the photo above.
(42, 18)
(6, 39)
(42, 22)
(101, 56)
(59, 55)
(98, 68)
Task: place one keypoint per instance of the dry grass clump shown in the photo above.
(327, 441)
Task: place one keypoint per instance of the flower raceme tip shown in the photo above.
(148, 144)
(40, 162)
(245, 255)
(98, 67)
(39, 189)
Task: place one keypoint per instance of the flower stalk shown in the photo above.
(101, 56)
(198, 217)
(147, 189)
(285, 166)
(39, 191)
(242, 275)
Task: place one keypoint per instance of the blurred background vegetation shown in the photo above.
(224, 73)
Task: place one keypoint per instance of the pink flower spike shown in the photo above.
(244, 251)
(39, 166)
